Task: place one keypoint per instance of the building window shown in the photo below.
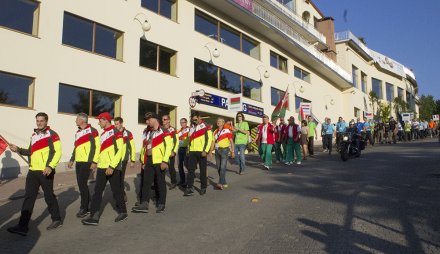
(145, 106)
(16, 90)
(74, 100)
(376, 85)
(302, 74)
(306, 16)
(298, 101)
(20, 15)
(223, 33)
(156, 57)
(91, 36)
(357, 113)
(400, 93)
(390, 91)
(364, 82)
(166, 8)
(354, 74)
(252, 89)
(275, 96)
(214, 76)
(278, 61)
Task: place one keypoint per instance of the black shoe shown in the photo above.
(203, 191)
(188, 192)
(181, 184)
(82, 213)
(92, 220)
(19, 230)
(160, 208)
(140, 208)
(173, 186)
(121, 217)
(55, 224)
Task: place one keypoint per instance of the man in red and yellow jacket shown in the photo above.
(156, 151)
(109, 169)
(183, 135)
(173, 133)
(128, 149)
(200, 138)
(44, 154)
(85, 154)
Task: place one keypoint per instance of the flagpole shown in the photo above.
(9, 145)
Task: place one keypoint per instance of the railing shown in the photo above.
(348, 35)
(281, 26)
(297, 19)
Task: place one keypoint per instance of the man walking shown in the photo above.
(329, 133)
(312, 134)
(44, 154)
(292, 134)
(175, 147)
(279, 141)
(183, 135)
(241, 139)
(341, 126)
(158, 147)
(109, 170)
(199, 146)
(392, 130)
(265, 139)
(85, 155)
(128, 150)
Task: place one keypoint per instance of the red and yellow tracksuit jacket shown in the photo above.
(86, 146)
(110, 155)
(221, 138)
(160, 143)
(200, 138)
(183, 135)
(44, 149)
(128, 149)
(174, 138)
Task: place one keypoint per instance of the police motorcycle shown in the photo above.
(352, 143)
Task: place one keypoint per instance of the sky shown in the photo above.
(407, 31)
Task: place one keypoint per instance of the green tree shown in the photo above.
(374, 100)
(427, 107)
(399, 105)
(384, 110)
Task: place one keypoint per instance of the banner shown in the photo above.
(235, 103)
(406, 117)
(306, 108)
(247, 4)
(436, 117)
(368, 115)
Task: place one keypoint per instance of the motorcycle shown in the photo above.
(349, 148)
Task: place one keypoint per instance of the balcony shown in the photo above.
(306, 30)
(348, 36)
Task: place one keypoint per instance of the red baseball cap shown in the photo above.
(105, 115)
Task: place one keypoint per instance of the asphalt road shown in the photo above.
(387, 201)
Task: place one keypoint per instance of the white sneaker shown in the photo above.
(298, 163)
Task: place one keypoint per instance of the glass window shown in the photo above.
(390, 91)
(278, 62)
(252, 89)
(160, 109)
(230, 81)
(152, 5)
(376, 85)
(206, 25)
(20, 15)
(298, 101)
(229, 36)
(400, 93)
(73, 99)
(275, 96)
(251, 47)
(77, 32)
(205, 73)
(165, 57)
(354, 73)
(166, 8)
(364, 82)
(16, 90)
(148, 55)
(273, 60)
(91, 36)
(301, 74)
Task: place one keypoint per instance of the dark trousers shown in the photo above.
(194, 159)
(172, 169)
(153, 173)
(310, 145)
(34, 180)
(124, 169)
(115, 184)
(328, 142)
(82, 176)
(370, 137)
(183, 160)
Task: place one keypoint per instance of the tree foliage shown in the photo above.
(427, 107)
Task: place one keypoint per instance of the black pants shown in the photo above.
(82, 176)
(115, 184)
(34, 180)
(153, 173)
(195, 158)
(328, 142)
(172, 170)
(370, 138)
(310, 145)
(183, 160)
(124, 169)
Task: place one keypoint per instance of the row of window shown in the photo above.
(214, 76)
(279, 62)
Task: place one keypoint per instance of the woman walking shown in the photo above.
(304, 138)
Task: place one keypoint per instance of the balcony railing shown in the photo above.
(284, 28)
(297, 19)
(348, 35)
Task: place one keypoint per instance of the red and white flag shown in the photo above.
(3, 146)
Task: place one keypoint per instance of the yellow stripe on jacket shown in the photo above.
(110, 155)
